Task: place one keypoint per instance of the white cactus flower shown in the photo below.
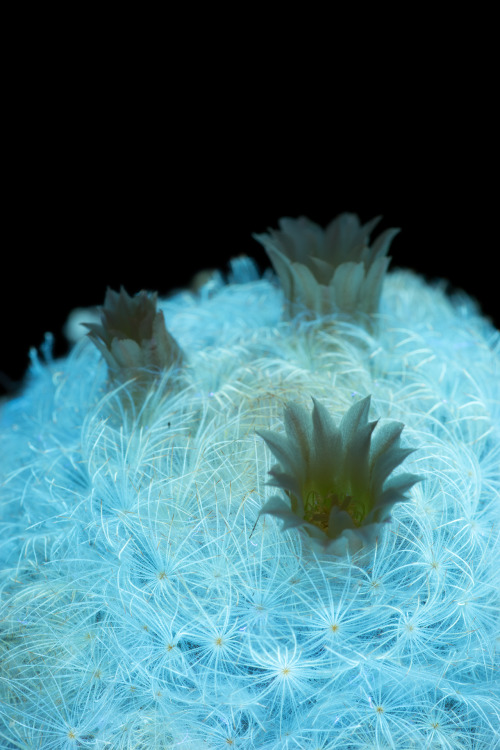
(329, 270)
(132, 337)
(337, 477)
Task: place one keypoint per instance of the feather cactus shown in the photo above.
(149, 596)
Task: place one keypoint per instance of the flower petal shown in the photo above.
(277, 507)
(395, 488)
(355, 416)
(298, 429)
(281, 448)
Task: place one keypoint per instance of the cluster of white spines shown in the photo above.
(139, 610)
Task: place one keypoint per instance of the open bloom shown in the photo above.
(326, 270)
(337, 478)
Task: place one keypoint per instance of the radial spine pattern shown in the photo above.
(156, 593)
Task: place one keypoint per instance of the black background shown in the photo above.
(126, 165)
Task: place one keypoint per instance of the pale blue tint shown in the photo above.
(144, 603)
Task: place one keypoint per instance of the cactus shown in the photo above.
(158, 592)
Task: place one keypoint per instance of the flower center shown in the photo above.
(317, 507)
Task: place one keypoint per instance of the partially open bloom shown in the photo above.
(337, 478)
(332, 269)
(132, 337)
